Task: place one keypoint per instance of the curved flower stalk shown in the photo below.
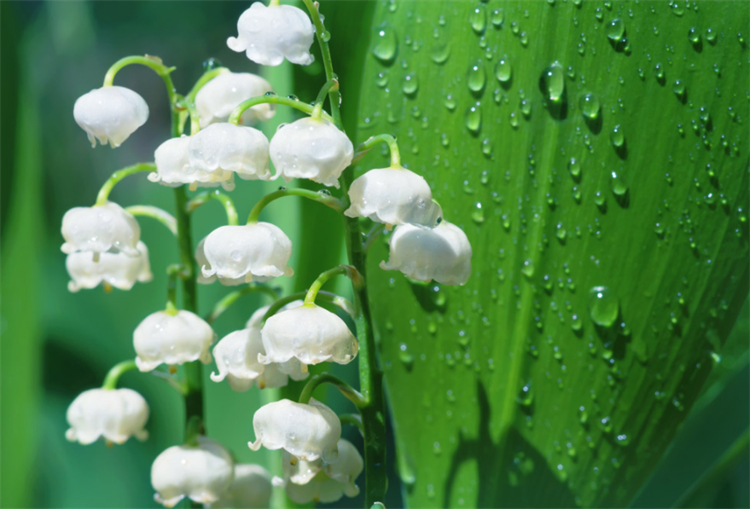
(116, 270)
(99, 229)
(173, 168)
(202, 472)
(217, 98)
(269, 34)
(113, 414)
(110, 114)
(172, 338)
(251, 488)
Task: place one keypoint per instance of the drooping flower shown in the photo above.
(99, 229)
(251, 488)
(268, 34)
(255, 252)
(393, 196)
(442, 253)
(306, 431)
(216, 100)
(311, 148)
(333, 482)
(114, 414)
(110, 114)
(173, 168)
(172, 339)
(200, 257)
(310, 334)
(114, 269)
(222, 148)
(201, 472)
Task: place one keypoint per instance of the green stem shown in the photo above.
(372, 141)
(173, 271)
(203, 81)
(332, 84)
(195, 120)
(178, 386)
(325, 52)
(117, 176)
(114, 374)
(160, 215)
(234, 296)
(347, 390)
(353, 419)
(222, 198)
(318, 196)
(350, 272)
(329, 297)
(373, 234)
(236, 115)
(193, 429)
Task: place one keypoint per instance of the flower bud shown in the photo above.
(114, 269)
(173, 168)
(309, 333)
(110, 114)
(222, 148)
(255, 252)
(268, 34)
(307, 431)
(115, 414)
(164, 338)
(393, 196)
(442, 253)
(216, 100)
(200, 472)
(250, 489)
(99, 229)
(313, 149)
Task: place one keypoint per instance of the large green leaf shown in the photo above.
(507, 392)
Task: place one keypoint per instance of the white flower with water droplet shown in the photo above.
(313, 149)
(110, 114)
(222, 148)
(114, 269)
(255, 252)
(268, 34)
(200, 258)
(442, 253)
(173, 168)
(306, 431)
(114, 414)
(310, 334)
(216, 100)
(333, 482)
(251, 488)
(172, 339)
(201, 472)
(99, 229)
(393, 196)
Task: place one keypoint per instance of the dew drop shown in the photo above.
(410, 84)
(604, 306)
(473, 118)
(554, 82)
(478, 19)
(385, 46)
(503, 70)
(476, 77)
(615, 30)
(617, 137)
(590, 106)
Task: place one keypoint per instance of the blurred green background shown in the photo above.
(56, 344)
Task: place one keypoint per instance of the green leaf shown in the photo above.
(527, 387)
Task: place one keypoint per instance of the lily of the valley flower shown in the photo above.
(343, 472)
(173, 168)
(114, 269)
(110, 114)
(310, 334)
(200, 257)
(268, 34)
(216, 100)
(172, 339)
(306, 431)
(201, 472)
(255, 252)
(114, 414)
(251, 488)
(442, 253)
(311, 148)
(99, 229)
(393, 196)
(222, 148)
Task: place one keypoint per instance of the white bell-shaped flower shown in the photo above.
(222, 148)
(202, 472)
(442, 253)
(307, 431)
(114, 269)
(216, 100)
(99, 229)
(110, 114)
(268, 34)
(250, 489)
(165, 338)
(114, 414)
(255, 252)
(173, 167)
(310, 334)
(296, 470)
(393, 196)
(327, 483)
(200, 257)
(311, 148)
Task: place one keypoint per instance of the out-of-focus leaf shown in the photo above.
(527, 387)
